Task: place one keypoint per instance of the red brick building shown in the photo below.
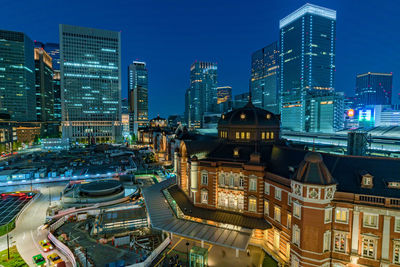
(322, 210)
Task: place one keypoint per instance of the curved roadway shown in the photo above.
(26, 234)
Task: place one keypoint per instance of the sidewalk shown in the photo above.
(217, 256)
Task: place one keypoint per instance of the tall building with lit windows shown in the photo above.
(307, 61)
(264, 77)
(90, 84)
(374, 89)
(201, 96)
(17, 76)
(138, 95)
(44, 85)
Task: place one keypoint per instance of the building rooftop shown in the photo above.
(215, 215)
(308, 9)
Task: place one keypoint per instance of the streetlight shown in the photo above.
(187, 253)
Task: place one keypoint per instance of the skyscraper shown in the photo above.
(138, 95)
(374, 89)
(264, 78)
(201, 96)
(90, 83)
(224, 99)
(53, 49)
(307, 61)
(44, 85)
(57, 94)
(17, 76)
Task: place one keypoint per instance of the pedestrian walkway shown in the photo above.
(163, 218)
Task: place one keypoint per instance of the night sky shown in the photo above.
(170, 34)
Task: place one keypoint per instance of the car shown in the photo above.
(55, 260)
(46, 245)
(39, 260)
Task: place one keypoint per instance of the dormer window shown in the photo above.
(268, 116)
(236, 152)
(242, 116)
(395, 185)
(367, 180)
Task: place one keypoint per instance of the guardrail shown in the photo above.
(63, 248)
(95, 206)
(153, 254)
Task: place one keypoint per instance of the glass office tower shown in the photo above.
(17, 76)
(201, 96)
(264, 78)
(374, 89)
(307, 61)
(138, 95)
(90, 84)
(44, 86)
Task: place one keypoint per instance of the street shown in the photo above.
(26, 234)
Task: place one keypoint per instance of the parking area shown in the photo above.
(11, 204)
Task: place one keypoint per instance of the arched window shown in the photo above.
(231, 180)
(236, 181)
(221, 179)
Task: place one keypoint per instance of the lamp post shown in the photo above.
(8, 245)
(187, 253)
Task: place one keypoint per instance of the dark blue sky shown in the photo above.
(170, 34)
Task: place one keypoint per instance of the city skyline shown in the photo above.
(234, 58)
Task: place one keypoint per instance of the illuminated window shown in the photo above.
(296, 210)
(328, 215)
(277, 214)
(266, 207)
(263, 135)
(268, 116)
(368, 247)
(267, 135)
(289, 221)
(248, 135)
(340, 242)
(296, 235)
(396, 253)
(237, 135)
(252, 204)
(242, 116)
(236, 152)
(242, 135)
(272, 135)
(276, 239)
(370, 220)
(327, 241)
(341, 215)
(397, 224)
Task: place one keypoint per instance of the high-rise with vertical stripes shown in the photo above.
(90, 83)
(307, 62)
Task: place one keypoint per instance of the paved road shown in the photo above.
(26, 234)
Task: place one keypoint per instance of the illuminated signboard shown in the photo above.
(365, 115)
(350, 113)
